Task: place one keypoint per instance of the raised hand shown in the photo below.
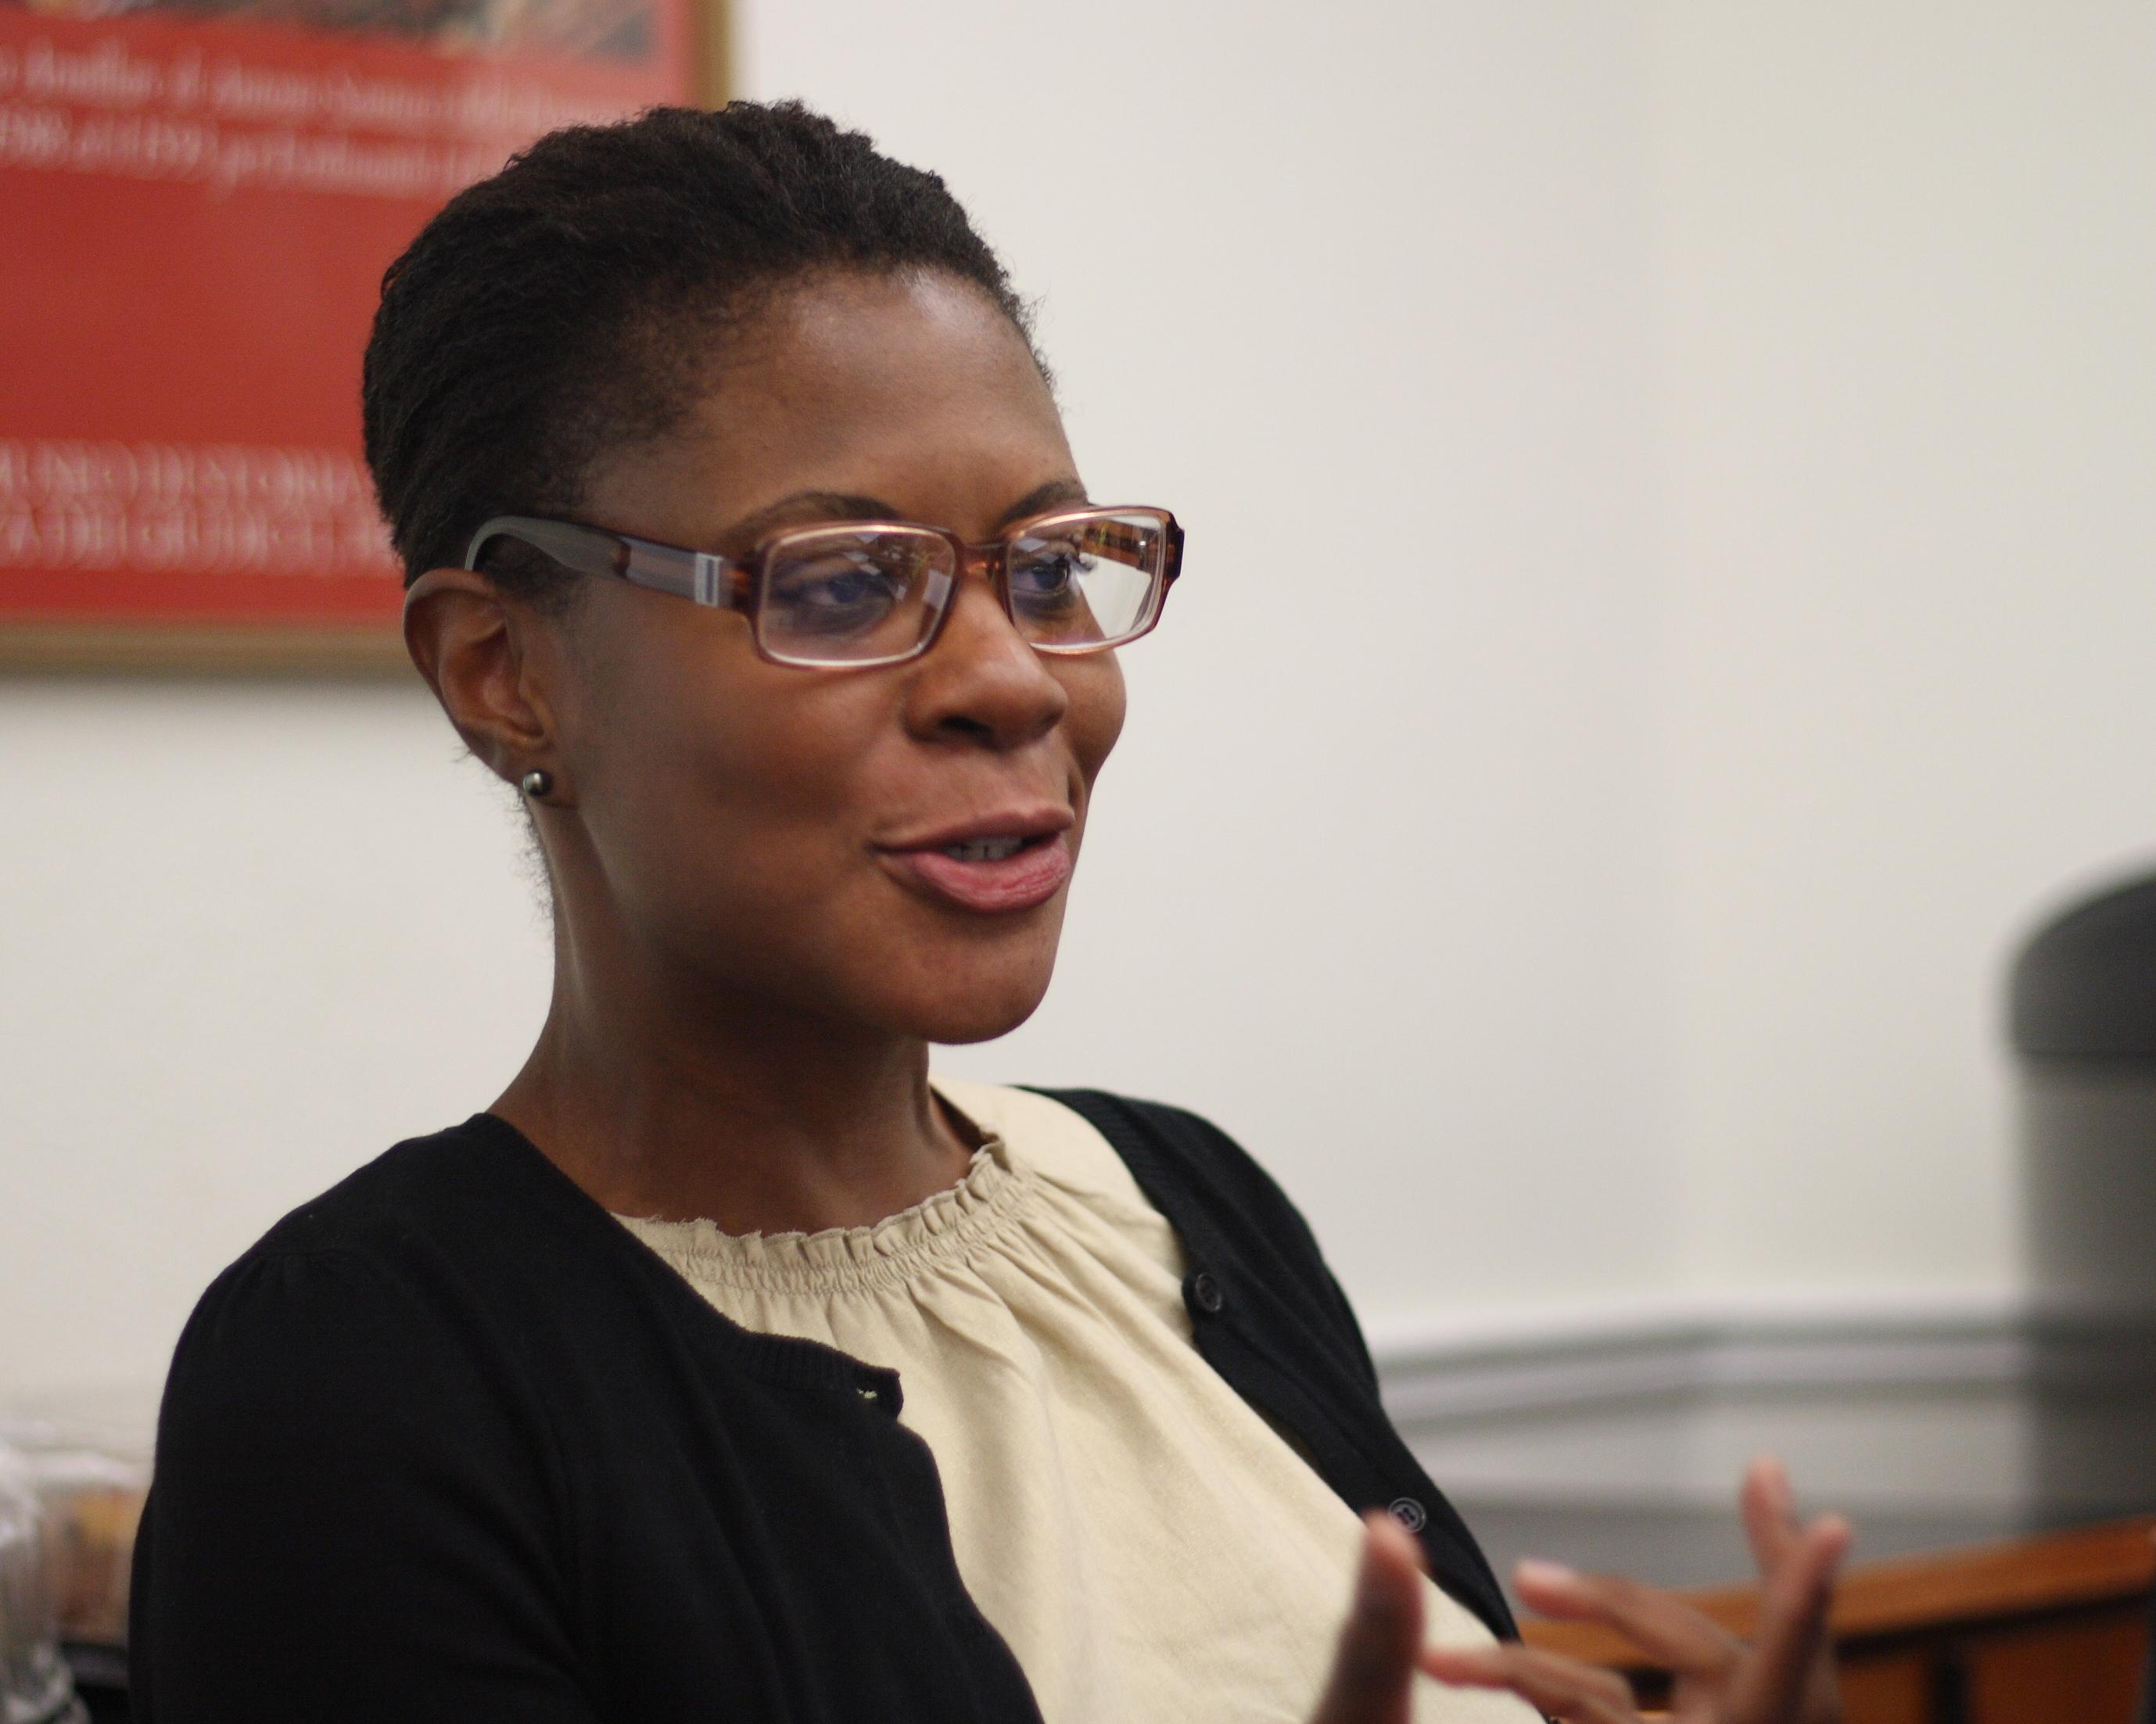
(1784, 1676)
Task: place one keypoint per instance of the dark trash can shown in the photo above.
(2083, 1022)
(2084, 1031)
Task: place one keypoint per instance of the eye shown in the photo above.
(1048, 576)
(841, 591)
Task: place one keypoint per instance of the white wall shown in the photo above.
(1907, 261)
(1586, 882)
(253, 934)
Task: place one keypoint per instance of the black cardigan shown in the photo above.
(449, 1443)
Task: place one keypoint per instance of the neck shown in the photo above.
(667, 1097)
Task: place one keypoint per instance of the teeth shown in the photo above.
(986, 850)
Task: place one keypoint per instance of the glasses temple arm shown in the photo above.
(689, 574)
(668, 568)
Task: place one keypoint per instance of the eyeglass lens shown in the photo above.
(845, 595)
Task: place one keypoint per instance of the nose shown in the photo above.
(983, 683)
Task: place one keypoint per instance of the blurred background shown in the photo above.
(1669, 616)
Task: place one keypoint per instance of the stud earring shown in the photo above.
(536, 783)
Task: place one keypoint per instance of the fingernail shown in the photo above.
(1531, 1570)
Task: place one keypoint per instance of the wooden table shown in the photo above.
(2051, 1629)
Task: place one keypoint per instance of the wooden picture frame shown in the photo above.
(217, 185)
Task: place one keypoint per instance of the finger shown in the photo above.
(1769, 1510)
(1374, 1670)
(1667, 1629)
(1559, 1687)
(1770, 1683)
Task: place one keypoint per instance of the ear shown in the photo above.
(482, 654)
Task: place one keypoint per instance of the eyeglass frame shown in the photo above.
(736, 583)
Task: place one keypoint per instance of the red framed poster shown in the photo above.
(197, 198)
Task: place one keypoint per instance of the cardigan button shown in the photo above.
(876, 1392)
(1409, 1513)
(1205, 1293)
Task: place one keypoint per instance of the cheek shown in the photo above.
(725, 785)
(1094, 687)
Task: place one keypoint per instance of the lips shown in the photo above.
(994, 866)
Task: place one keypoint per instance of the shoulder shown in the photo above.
(354, 1462)
(423, 1188)
(319, 1389)
(370, 1295)
(288, 1347)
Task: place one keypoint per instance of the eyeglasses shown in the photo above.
(860, 593)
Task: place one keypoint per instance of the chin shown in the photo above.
(955, 1022)
(955, 1002)
(955, 982)
(959, 1034)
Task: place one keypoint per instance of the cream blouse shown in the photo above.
(1153, 1551)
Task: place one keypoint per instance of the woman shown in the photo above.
(726, 1367)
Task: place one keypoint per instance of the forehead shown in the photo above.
(916, 388)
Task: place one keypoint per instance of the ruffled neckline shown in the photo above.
(942, 1228)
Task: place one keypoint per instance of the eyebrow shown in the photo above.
(844, 505)
(1042, 497)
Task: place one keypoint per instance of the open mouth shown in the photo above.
(992, 875)
(991, 849)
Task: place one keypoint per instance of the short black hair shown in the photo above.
(556, 309)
